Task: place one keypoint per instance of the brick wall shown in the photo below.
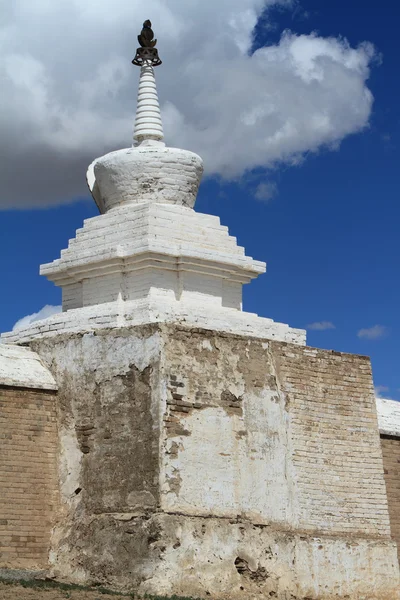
(337, 458)
(285, 433)
(391, 463)
(28, 478)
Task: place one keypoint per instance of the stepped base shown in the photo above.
(157, 310)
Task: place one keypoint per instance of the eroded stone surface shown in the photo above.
(283, 431)
(108, 420)
(182, 470)
(221, 558)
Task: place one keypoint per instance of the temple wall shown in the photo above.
(28, 476)
(196, 462)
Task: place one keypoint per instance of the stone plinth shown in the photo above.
(198, 463)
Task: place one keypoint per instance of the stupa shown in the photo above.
(201, 450)
(150, 257)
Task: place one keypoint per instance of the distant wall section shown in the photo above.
(391, 463)
(28, 448)
(389, 427)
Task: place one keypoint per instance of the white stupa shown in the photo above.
(149, 257)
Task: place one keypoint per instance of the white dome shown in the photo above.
(147, 174)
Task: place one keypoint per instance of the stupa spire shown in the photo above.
(148, 124)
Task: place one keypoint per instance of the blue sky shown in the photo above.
(329, 234)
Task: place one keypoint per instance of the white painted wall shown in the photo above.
(388, 416)
(21, 367)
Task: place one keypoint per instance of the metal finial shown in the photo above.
(147, 53)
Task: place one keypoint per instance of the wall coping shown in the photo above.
(21, 367)
(388, 416)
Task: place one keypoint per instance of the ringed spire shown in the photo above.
(148, 124)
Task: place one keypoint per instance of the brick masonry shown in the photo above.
(28, 477)
(337, 459)
(391, 463)
(256, 453)
(302, 420)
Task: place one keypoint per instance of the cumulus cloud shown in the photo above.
(69, 90)
(43, 313)
(381, 391)
(376, 332)
(321, 326)
(265, 191)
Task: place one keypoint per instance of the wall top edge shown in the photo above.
(22, 368)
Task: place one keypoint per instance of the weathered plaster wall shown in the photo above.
(28, 476)
(227, 450)
(268, 421)
(195, 462)
(109, 463)
(285, 438)
(233, 558)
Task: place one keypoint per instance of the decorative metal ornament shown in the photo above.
(147, 54)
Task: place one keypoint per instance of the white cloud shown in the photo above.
(379, 391)
(43, 313)
(376, 332)
(265, 191)
(383, 392)
(321, 326)
(69, 90)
